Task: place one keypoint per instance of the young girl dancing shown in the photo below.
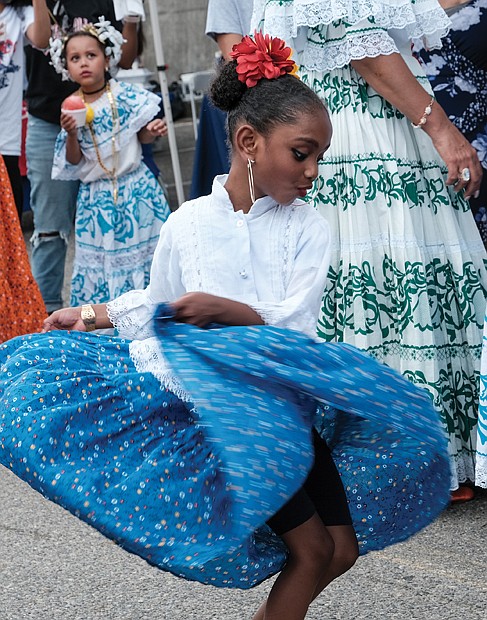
(228, 474)
(121, 206)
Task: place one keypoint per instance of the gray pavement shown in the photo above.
(53, 566)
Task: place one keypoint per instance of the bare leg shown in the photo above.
(345, 556)
(345, 553)
(311, 550)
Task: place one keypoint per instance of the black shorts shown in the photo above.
(322, 492)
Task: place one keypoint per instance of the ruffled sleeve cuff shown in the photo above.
(343, 44)
(276, 315)
(131, 314)
(136, 107)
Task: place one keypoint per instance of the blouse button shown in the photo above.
(243, 274)
(240, 223)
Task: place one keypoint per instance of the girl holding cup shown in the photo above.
(121, 207)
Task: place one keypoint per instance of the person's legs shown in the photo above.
(325, 489)
(13, 170)
(329, 550)
(344, 556)
(316, 526)
(311, 550)
(53, 205)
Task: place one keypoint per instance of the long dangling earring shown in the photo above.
(250, 174)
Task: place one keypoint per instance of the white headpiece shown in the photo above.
(103, 30)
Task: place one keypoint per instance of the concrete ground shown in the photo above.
(54, 567)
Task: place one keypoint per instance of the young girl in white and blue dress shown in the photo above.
(121, 206)
(215, 436)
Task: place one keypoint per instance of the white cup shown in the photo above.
(79, 115)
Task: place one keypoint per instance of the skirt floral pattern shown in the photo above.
(408, 276)
(115, 242)
(189, 484)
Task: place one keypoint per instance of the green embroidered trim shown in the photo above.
(345, 186)
(427, 298)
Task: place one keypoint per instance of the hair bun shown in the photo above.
(226, 90)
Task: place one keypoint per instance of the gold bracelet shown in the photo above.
(427, 111)
(88, 317)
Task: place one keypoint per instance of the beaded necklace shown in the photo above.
(111, 173)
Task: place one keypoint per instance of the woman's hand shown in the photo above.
(458, 155)
(392, 78)
(66, 318)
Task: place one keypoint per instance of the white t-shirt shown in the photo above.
(228, 16)
(275, 259)
(13, 26)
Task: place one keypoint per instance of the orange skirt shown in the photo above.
(22, 309)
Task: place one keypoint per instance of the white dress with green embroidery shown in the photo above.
(408, 278)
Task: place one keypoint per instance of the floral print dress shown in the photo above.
(408, 279)
(114, 238)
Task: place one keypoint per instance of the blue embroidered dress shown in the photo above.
(179, 442)
(408, 276)
(114, 240)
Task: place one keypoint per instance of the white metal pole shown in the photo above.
(161, 70)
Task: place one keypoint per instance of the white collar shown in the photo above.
(220, 198)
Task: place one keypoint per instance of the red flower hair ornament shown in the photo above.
(262, 57)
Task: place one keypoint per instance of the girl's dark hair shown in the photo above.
(263, 106)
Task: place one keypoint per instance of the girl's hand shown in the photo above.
(197, 308)
(68, 123)
(66, 318)
(202, 308)
(157, 127)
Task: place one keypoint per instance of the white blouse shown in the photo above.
(275, 259)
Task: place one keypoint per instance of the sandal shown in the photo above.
(462, 494)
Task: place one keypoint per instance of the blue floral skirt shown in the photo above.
(189, 485)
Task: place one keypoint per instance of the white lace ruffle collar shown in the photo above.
(423, 19)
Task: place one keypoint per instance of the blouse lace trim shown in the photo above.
(422, 19)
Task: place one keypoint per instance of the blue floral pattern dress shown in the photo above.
(114, 238)
(180, 443)
(408, 277)
(458, 75)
